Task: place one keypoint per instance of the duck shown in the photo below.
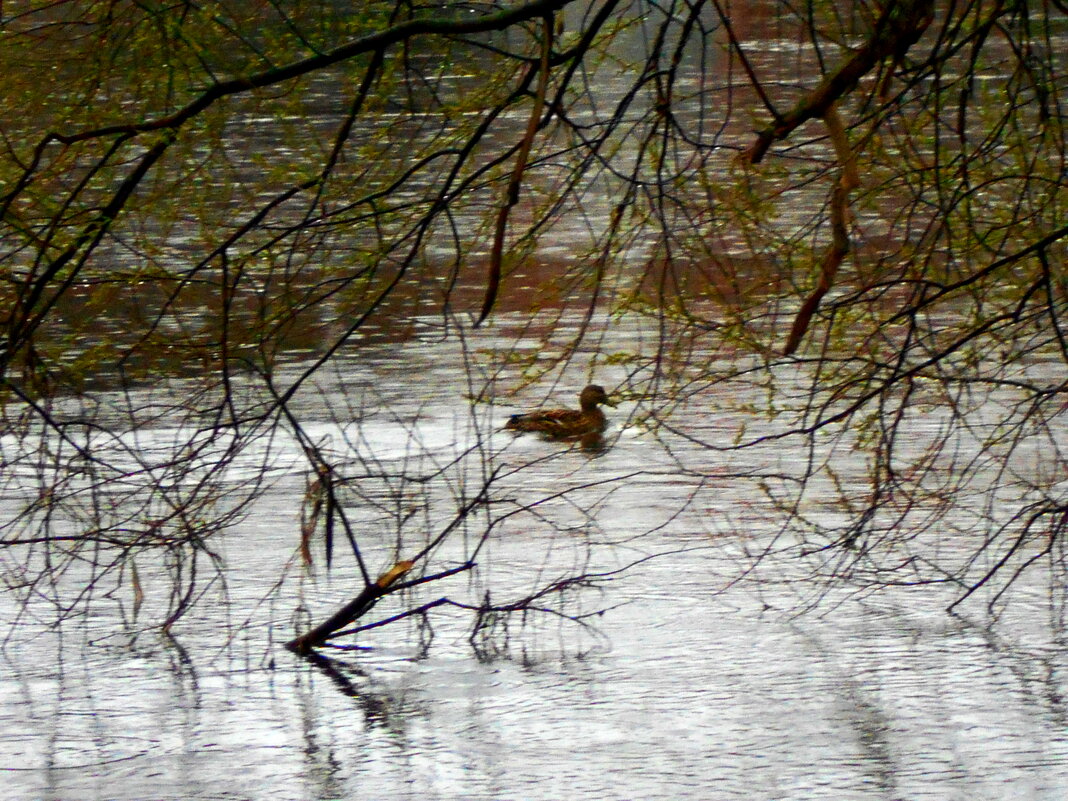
(586, 421)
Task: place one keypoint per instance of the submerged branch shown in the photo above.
(350, 611)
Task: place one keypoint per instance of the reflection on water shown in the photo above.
(678, 693)
(695, 696)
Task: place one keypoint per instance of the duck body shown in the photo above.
(567, 423)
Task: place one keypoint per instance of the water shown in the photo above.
(678, 690)
(689, 696)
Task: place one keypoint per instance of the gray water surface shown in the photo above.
(687, 697)
(681, 689)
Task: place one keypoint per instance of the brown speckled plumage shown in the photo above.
(565, 423)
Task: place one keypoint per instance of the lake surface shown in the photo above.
(679, 690)
(683, 695)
